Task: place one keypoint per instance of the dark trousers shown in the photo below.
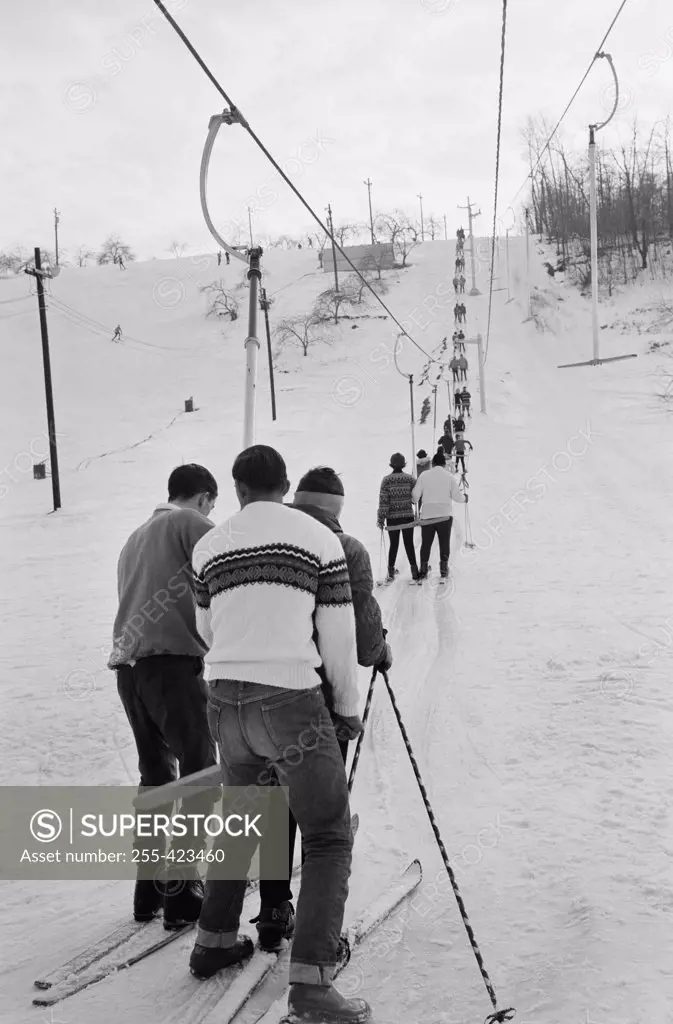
(273, 893)
(460, 459)
(443, 532)
(455, 374)
(260, 730)
(166, 702)
(408, 539)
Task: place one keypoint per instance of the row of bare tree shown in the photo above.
(111, 250)
(634, 187)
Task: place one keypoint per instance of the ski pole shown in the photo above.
(498, 1016)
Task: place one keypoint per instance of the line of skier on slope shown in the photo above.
(279, 602)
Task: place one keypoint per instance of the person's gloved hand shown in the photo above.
(347, 728)
(386, 662)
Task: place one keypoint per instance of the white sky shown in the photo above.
(105, 112)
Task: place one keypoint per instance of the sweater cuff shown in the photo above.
(347, 710)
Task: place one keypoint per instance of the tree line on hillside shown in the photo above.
(634, 187)
(113, 248)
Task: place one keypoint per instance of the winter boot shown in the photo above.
(206, 961)
(391, 576)
(148, 899)
(183, 906)
(323, 1004)
(274, 924)
(423, 574)
(414, 572)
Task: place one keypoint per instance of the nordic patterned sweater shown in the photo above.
(265, 578)
(395, 497)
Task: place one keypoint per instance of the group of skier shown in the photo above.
(459, 284)
(279, 602)
(460, 313)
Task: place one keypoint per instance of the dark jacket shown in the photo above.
(371, 642)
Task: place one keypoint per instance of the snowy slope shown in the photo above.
(538, 714)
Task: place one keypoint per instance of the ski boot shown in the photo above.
(324, 1004)
(273, 925)
(206, 961)
(414, 573)
(183, 906)
(148, 899)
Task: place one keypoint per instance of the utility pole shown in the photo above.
(250, 226)
(420, 197)
(509, 297)
(593, 219)
(528, 302)
(473, 290)
(264, 303)
(331, 231)
(38, 273)
(446, 237)
(57, 217)
(368, 183)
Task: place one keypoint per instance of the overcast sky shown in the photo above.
(104, 112)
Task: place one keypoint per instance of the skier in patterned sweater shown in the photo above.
(395, 509)
(320, 494)
(274, 603)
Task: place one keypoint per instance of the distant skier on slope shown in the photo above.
(463, 367)
(266, 641)
(454, 366)
(158, 656)
(461, 283)
(459, 425)
(455, 284)
(460, 450)
(437, 489)
(457, 400)
(460, 341)
(320, 494)
(117, 336)
(396, 509)
(465, 401)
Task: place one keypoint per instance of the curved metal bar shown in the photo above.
(213, 128)
(597, 127)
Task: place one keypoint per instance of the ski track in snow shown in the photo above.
(541, 734)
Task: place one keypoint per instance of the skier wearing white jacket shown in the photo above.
(437, 489)
(274, 603)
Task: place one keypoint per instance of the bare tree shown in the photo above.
(402, 232)
(298, 330)
(178, 249)
(434, 227)
(221, 303)
(329, 304)
(112, 249)
(344, 233)
(84, 253)
(317, 239)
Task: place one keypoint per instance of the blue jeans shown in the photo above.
(259, 728)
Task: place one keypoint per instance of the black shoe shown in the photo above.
(148, 899)
(326, 1004)
(182, 903)
(206, 961)
(423, 574)
(414, 572)
(274, 924)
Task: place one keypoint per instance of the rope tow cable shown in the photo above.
(234, 116)
(497, 172)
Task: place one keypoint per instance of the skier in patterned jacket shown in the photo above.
(395, 509)
(320, 494)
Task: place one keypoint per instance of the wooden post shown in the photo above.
(264, 303)
(51, 422)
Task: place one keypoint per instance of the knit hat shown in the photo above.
(397, 461)
(421, 454)
(323, 480)
(321, 487)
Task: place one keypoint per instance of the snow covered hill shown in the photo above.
(536, 689)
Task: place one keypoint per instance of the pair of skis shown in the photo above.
(210, 1005)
